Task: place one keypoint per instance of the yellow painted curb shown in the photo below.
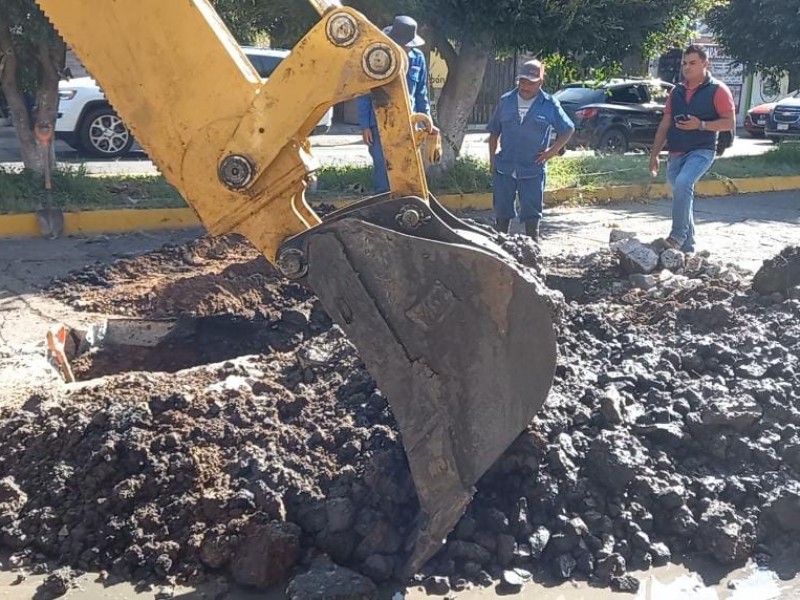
(25, 225)
(119, 221)
(124, 220)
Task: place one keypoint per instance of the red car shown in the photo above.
(756, 119)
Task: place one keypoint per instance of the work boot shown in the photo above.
(532, 229)
(502, 225)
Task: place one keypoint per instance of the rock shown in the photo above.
(614, 459)
(506, 545)
(738, 414)
(642, 282)
(437, 585)
(512, 580)
(56, 584)
(565, 565)
(779, 274)
(618, 235)
(538, 541)
(783, 508)
(729, 537)
(340, 514)
(328, 581)
(668, 434)
(379, 567)
(469, 551)
(635, 257)
(266, 554)
(381, 539)
(672, 260)
(612, 405)
(12, 498)
(661, 554)
(626, 583)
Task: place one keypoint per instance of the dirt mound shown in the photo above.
(211, 276)
(661, 437)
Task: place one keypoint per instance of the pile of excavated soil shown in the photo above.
(673, 428)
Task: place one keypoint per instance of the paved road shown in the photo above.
(342, 147)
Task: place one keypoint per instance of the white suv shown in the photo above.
(87, 122)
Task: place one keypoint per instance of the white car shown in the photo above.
(87, 122)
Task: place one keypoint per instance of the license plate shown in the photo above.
(762, 121)
(783, 126)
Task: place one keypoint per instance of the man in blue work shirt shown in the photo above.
(404, 32)
(522, 123)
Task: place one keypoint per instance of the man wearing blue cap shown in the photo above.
(522, 124)
(404, 32)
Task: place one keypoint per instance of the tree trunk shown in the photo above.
(464, 79)
(50, 56)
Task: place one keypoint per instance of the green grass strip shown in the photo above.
(74, 189)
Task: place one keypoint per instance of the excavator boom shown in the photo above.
(459, 337)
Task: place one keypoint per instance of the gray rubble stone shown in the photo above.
(328, 581)
(618, 235)
(636, 257)
(643, 282)
(673, 260)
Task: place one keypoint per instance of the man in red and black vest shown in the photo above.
(696, 110)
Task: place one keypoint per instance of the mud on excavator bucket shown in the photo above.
(459, 337)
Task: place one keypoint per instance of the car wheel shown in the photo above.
(613, 141)
(103, 134)
(774, 140)
(321, 130)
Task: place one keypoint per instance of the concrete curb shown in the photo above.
(126, 220)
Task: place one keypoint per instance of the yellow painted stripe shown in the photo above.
(123, 220)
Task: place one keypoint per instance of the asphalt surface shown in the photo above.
(342, 146)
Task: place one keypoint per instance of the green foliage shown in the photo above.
(466, 176)
(284, 21)
(562, 70)
(343, 180)
(764, 34)
(28, 29)
(73, 189)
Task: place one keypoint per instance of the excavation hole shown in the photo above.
(168, 346)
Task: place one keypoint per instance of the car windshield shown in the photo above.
(265, 65)
(580, 95)
(659, 93)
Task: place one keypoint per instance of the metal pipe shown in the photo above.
(324, 6)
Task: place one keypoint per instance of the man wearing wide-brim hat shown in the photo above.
(522, 124)
(404, 32)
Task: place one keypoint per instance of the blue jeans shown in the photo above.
(683, 172)
(530, 190)
(380, 178)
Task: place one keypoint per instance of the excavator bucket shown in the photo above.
(459, 337)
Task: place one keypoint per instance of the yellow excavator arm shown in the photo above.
(457, 335)
(234, 145)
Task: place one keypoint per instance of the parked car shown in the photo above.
(88, 123)
(755, 121)
(615, 116)
(783, 122)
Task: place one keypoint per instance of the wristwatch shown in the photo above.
(702, 125)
